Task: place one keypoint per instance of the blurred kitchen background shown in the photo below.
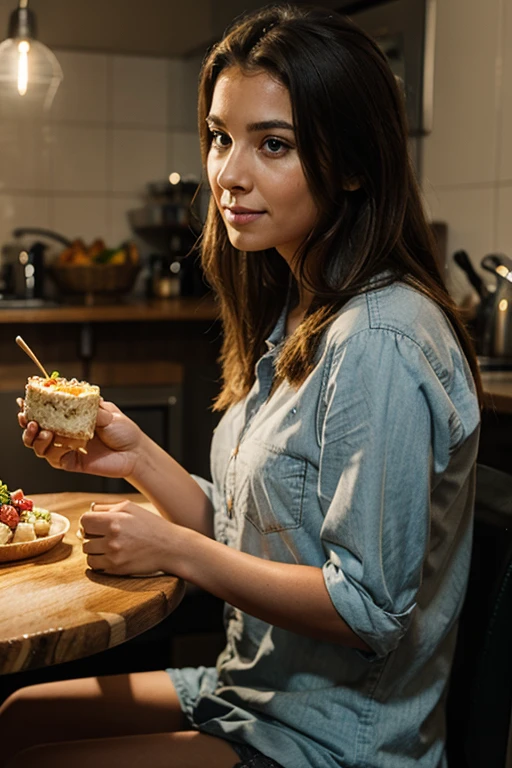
(125, 115)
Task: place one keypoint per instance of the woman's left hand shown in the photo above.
(125, 538)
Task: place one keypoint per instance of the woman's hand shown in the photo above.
(125, 538)
(112, 452)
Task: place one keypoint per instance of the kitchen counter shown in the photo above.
(498, 391)
(183, 308)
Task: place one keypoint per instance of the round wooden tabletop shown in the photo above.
(53, 608)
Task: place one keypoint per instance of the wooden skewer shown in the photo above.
(26, 348)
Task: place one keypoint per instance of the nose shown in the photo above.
(234, 172)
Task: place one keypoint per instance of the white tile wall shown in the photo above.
(470, 216)
(108, 134)
(23, 210)
(81, 217)
(467, 168)
(139, 91)
(119, 228)
(25, 151)
(462, 146)
(82, 95)
(184, 156)
(505, 117)
(182, 95)
(138, 156)
(79, 158)
(503, 241)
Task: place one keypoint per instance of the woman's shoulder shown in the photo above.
(403, 325)
(397, 339)
(396, 309)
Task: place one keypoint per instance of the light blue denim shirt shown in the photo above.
(367, 472)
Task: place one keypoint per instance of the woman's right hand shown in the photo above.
(112, 452)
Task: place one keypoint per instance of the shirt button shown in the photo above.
(234, 452)
(229, 504)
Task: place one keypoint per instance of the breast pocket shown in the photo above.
(270, 488)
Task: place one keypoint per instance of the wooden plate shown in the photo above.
(24, 549)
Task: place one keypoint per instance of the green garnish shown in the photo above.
(5, 496)
(55, 375)
(31, 515)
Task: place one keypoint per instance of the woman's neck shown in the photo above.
(296, 313)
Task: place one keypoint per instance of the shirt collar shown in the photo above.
(278, 333)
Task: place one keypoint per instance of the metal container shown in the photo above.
(493, 323)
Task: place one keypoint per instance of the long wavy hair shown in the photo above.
(350, 128)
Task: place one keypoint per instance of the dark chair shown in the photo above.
(480, 695)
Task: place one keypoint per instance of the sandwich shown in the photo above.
(66, 407)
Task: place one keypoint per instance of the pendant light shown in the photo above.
(29, 72)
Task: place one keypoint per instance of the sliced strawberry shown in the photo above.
(17, 494)
(9, 515)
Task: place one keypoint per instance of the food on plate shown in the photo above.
(24, 532)
(67, 407)
(20, 520)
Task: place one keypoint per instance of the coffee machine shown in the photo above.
(170, 223)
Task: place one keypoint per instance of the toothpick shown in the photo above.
(28, 351)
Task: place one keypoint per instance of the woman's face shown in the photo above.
(254, 169)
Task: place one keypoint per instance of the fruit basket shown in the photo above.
(94, 278)
(95, 270)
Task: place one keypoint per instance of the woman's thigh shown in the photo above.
(166, 750)
(90, 708)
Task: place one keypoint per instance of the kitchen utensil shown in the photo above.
(25, 347)
(464, 262)
(493, 326)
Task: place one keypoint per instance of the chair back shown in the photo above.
(480, 695)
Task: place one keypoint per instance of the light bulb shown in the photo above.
(23, 50)
(28, 69)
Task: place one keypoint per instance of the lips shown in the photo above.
(239, 216)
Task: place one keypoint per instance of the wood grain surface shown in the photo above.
(53, 608)
(180, 308)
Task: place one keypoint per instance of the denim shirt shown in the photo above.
(367, 472)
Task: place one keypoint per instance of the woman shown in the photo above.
(338, 525)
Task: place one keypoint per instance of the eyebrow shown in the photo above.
(264, 125)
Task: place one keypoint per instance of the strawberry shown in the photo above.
(23, 504)
(9, 515)
(17, 494)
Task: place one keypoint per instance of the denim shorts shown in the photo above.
(251, 758)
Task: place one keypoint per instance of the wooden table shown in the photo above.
(53, 608)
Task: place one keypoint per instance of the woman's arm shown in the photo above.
(290, 596)
(171, 488)
(120, 449)
(294, 597)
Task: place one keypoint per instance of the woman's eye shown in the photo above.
(220, 140)
(275, 146)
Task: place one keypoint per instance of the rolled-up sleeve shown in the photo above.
(374, 483)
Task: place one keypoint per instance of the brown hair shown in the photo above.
(350, 124)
